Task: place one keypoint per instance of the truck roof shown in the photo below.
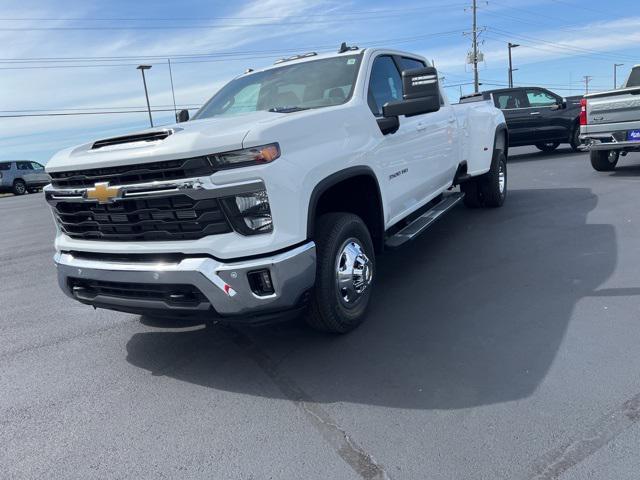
(311, 56)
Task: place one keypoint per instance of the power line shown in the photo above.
(221, 54)
(67, 114)
(194, 58)
(261, 17)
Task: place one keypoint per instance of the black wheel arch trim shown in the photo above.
(502, 127)
(334, 179)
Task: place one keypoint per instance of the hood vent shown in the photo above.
(140, 137)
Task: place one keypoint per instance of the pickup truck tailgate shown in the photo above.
(621, 106)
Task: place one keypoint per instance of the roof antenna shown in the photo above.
(345, 48)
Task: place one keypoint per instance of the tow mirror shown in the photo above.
(388, 124)
(182, 116)
(421, 94)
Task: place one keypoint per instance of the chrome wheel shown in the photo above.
(354, 272)
(502, 178)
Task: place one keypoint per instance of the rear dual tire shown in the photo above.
(490, 189)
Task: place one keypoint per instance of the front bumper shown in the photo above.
(225, 286)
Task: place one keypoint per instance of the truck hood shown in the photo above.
(189, 139)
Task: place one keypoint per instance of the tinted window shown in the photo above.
(539, 98)
(24, 166)
(511, 99)
(5, 166)
(313, 84)
(385, 84)
(634, 78)
(411, 63)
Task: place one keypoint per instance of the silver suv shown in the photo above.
(22, 176)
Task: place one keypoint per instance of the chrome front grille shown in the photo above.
(134, 174)
(170, 217)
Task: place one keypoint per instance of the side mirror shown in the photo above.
(421, 94)
(388, 124)
(182, 116)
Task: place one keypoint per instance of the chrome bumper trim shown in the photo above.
(225, 285)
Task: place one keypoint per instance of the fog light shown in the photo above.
(260, 282)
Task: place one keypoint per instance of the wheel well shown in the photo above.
(356, 193)
(18, 180)
(501, 141)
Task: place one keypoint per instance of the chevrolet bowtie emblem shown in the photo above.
(103, 193)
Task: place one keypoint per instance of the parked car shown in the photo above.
(536, 116)
(278, 194)
(22, 176)
(610, 123)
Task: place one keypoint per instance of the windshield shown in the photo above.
(313, 84)
(634, 78)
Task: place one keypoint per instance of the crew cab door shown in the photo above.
(413, 159)
(552, 124)
(521, 121)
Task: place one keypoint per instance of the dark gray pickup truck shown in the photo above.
(536, 116)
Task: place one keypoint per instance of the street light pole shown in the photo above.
(587, 79)
(511, 45)
(142, 68)
(615, 74)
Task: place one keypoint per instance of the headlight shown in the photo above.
(249, 213)
(246, 156)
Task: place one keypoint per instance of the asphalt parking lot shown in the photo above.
(502, 344)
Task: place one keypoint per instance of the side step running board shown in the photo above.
(425, 220)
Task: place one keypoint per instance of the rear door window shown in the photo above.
(5, 166)
(24, 165)
(540, 98)
(411, 63)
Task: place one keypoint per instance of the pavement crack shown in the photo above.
(343, 444)
(560, 459)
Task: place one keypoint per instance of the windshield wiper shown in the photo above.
(287, 109)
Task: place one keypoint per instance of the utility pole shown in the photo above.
(615, 74)
(142, 68)
(175, 110)
(511, 69)
(587, 79)
(474, 34)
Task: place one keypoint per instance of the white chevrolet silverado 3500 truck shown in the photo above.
(277, 195)
(610, 123)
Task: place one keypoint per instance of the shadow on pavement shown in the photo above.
(472, 313)
(536, 155)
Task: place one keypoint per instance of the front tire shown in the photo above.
(345, 270)
(604, 160)
(19, 187)
(547, 146)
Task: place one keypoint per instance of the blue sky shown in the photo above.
(79, 56)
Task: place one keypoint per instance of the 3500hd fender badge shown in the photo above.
(398, 173)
